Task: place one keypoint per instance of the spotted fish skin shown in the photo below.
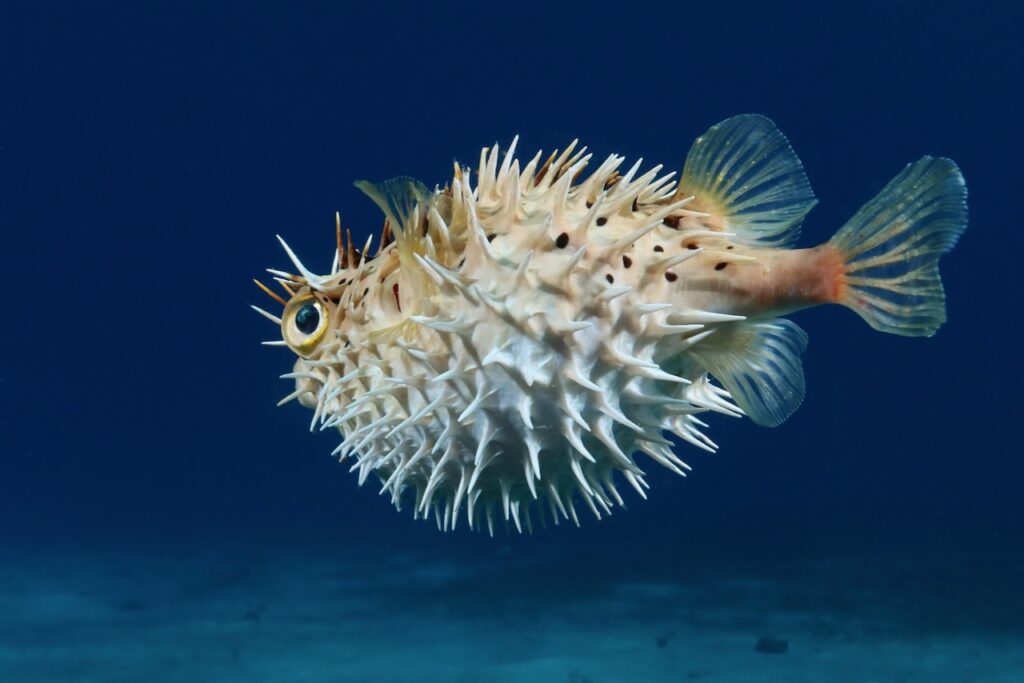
(515, 344)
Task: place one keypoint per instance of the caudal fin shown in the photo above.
(891, 248)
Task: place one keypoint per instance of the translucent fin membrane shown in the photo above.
(397, 198)
(891, 248)
(759, 364)
(744, 173)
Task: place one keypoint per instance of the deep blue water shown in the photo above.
(149, 154)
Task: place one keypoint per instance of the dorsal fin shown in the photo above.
(397, 198)
(759, 364)
(744, 173)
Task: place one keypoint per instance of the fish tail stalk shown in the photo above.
(890, 249)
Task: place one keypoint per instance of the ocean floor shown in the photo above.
(294, 616)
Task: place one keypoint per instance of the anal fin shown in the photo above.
(759, 364)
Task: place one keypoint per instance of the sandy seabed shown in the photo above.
(295, 616)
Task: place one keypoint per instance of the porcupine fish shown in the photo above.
(511, 348)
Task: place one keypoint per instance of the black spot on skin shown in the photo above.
(729, 247)
(590, 205)
(462, 262)
(562, 241)
(490, 238)
(721, 266)
(659, 248)
(366, 291)
(610, 278)
(670, 276)
(602, 220)
(672, 222)
(626, 262)
(693, 245)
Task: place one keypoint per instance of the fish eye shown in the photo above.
(308, 318)
(304, 324)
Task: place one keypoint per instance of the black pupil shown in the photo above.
(307, 319)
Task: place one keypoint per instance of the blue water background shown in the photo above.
(149, 153)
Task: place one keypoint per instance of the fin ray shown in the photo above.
(396, 197)
(745, 174)
(891, 248)
(759, 365)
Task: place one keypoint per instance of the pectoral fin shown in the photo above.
(397, 198)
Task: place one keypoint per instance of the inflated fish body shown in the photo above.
(513, 346)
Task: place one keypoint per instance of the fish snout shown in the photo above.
(307, 383)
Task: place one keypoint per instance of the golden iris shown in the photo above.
(304, 323)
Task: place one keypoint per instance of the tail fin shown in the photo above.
(891, 248)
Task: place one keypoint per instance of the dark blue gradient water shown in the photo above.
(161, 520)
